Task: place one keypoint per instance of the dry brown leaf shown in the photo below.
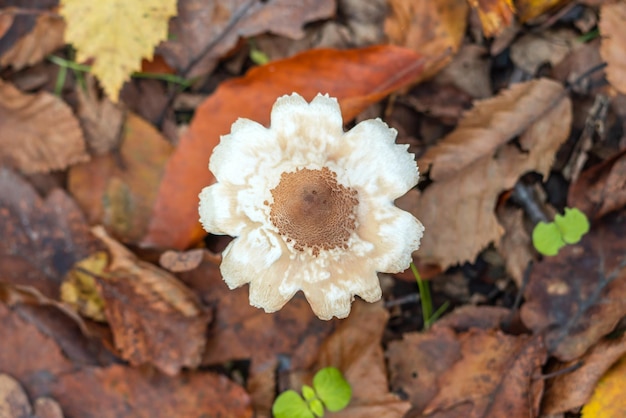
(101, 119)
(41, 238)
(429, 27)
(154, 317)
(613, 47)
(39, 132)
(491, 123)
(496, 375)
(118, 190)
(515, 245)
(568, 391)
(495, 15)
(578, 296)
(203, 33)
(46, 37)
(355, 349)
(533, 50)
(417, 361)
(601, 189)
(471, 167)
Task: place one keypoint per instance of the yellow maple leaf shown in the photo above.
(116, 34)
(609, 397)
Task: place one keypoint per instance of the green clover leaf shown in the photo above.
(290, 404)
(547, 238)
(573, 225)
(332, 388)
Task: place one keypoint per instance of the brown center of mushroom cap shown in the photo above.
(313, 211)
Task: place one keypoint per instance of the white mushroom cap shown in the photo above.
(311, 206)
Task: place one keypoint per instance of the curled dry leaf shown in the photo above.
(357, 77)
(14, 402)
(118, 190)
(46, 37)
(496, 375)
(613, 47)
(203, 33)
(41, 238)
(578, 296)
(154, 317)
(568, 391)
(39, 132)
(477, 163)
(601, 189)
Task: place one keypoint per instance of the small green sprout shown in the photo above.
(428, 316)
(330, 389)
(550, 237)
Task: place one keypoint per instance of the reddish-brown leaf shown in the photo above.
(356, 77)
(579, 295)
(154, 317)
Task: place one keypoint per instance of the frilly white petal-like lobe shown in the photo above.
(219, 212)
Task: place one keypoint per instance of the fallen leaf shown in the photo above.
(354, 348)
(495, 15)
(39, 132)
(417, 361)
(608, 400)
(119, 189)
(467, 317)
(204, 32)
(515, 245)
(79, 289)
(154, 317)
(530, 9)
(14, 402)
(475, 161)
(45, 38)
(116, 35)
(569, 391)
(578, 296)
(534, 50)
(496, 374)
(600, 189)
(357, 77)
(179, 261)
(41, 238)
(118, 391)
(102, 120)
(428, 27)
(613, 46)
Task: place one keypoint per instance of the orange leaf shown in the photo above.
(357, 77)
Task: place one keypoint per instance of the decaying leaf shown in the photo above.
(46, 37)
(608, 400)
(118, 190)
(601, 189)
(429, 27)
(39, 132)
(14, 402)
(475, 163)
(204, 32)
(116, 34)
(569, 391)
(496, 376)
(515, 245)
(154, 317)
(530, 9)
(79, 288)
(357, 77)
(41, 238)
(495, 15)
(578, 296)
(613, 47)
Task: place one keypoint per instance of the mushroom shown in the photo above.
(311, 206)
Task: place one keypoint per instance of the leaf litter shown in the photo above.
(111, 296)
